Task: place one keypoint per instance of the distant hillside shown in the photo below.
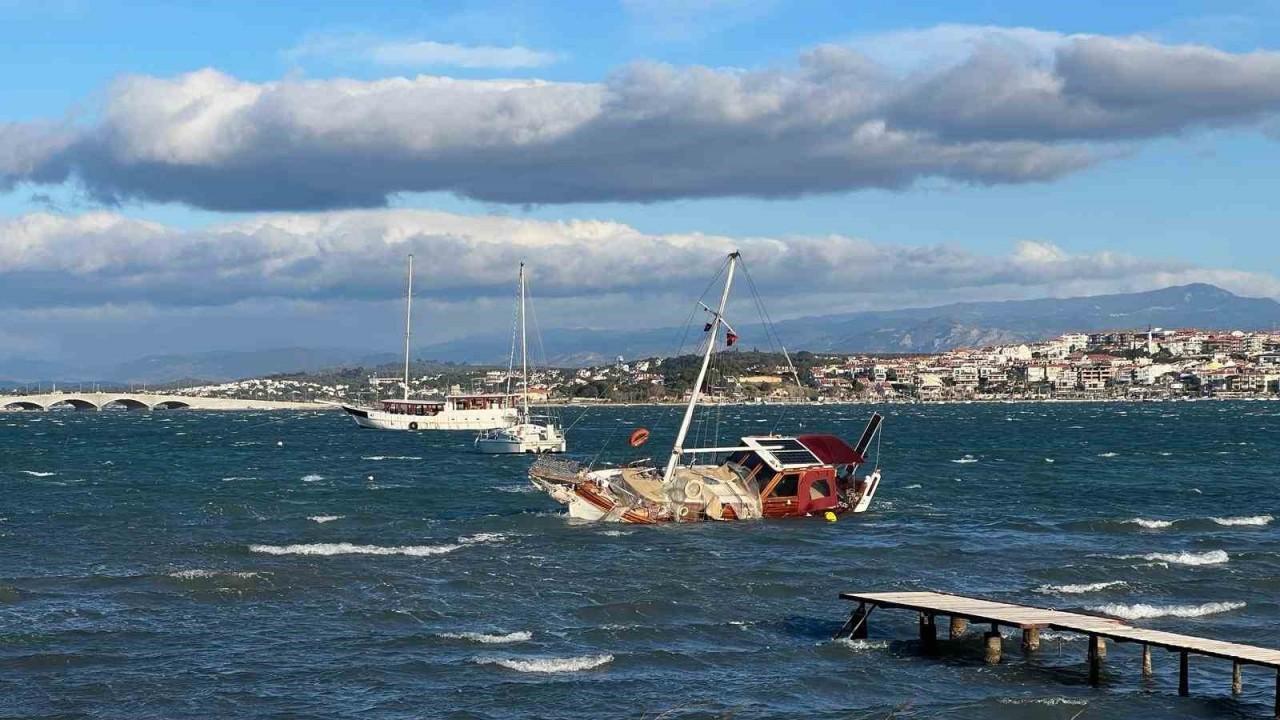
(933, 329)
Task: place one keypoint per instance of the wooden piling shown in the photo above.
(1146, 660)
(1278, 693)
(994, 648)
(1237, 681)
(958, 627)
(1102, 647)
(1031, 639)
(1095, 662)
(1184, 685)
(928, 634)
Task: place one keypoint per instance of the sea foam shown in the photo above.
(1142, 611)
(1249, 520)
(549, 665)
(312, 478)
(325, 518)
(352, 549)
(1150, 524)
(1211, 557)
(1078, 589)
(36, 473)
(513, 637)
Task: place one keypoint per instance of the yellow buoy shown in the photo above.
(830, 516)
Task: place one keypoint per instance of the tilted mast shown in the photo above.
(408, 315)
(678, 449)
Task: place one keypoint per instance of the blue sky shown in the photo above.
(1180, 189)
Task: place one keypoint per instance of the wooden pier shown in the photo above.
(1031, 620)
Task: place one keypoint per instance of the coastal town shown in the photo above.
(1121, 364)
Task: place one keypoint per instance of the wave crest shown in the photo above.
(1150, 524)
(1246, 520)
(1143, 611)
(487, 639)
(1078, 589)
(1211, 557)
(549, 665)
(352, 549)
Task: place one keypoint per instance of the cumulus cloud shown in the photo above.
(50, 261)
(993, 105)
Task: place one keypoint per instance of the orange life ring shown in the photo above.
(639, 436)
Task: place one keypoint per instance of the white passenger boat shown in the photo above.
(476, 411)
(531, 434)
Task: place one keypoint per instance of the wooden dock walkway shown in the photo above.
(1031, 620)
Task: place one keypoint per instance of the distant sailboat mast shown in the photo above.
(678, 449)
(524, 347)
(408, 320)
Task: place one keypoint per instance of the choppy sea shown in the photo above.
(269, 565)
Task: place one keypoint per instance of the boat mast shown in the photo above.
(408, 314)
(524, 348)
(678, 448)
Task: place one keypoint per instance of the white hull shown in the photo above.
(520, 439)
(444, 420)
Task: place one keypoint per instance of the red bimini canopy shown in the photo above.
(831, 450)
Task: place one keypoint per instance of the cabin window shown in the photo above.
(788, 486)
(819, 489)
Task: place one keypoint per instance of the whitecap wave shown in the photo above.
(616, 533)
(915, 486)
(1143, 611)
(325, 518)
(1150, 524)
(1078, 588)
(1211, 557)
(861, 645)
(549, 665)
(37, 473)
(484, 537)
(966, 459)
(390, 457)
(199, 573)
(352, 549)
(1107, 454)
(312, 478)
(487, 639)
(1042, 701)
(1245, 520)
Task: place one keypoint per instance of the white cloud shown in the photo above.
(102, 258)
(409, 53)
(997, 105)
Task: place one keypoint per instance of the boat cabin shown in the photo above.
(420, 408)
(797, 475)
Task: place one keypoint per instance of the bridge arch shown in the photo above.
(172, 405)
(127, 403)
(23, 405)
(77, 403)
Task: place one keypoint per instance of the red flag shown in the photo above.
(730, 338)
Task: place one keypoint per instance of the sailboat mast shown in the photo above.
(408, 319)
(678, 448)
(524, 347)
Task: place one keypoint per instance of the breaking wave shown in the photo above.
(1150, 524)
(514, 637)
(325, 518)
(549, 665)
(391, 457)
(197, 574)
(1211, 557)
(352, 549)
(1248, 520)
(1107, 454)
(37, 473)
(966, 459)
(1142, 611)
(312, 478)
(1078, 589)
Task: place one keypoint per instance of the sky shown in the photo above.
(182, 177)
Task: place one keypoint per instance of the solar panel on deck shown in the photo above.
(789, 451)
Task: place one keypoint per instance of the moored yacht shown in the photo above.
(456, 411)
(534, 434)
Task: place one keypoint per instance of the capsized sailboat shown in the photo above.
(764, 476)
(531, 433)
(476, 411)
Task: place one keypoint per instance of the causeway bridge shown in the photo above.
(144, 401)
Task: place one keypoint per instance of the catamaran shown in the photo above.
(456, 411)
(764, 476)
(530, 434)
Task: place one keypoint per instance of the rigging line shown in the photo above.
(771, 335)
(542, 350)
(668, 411)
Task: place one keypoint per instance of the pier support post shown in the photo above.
(1278, 694)
(1101, 642)
(958, 627)
(856, 626)
(1031, 639)
(994, 648)
(1146, 661)
(928, 634)
(1237, 682)
(1184, 686)
(1095, 661)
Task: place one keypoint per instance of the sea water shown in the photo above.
(252, 565)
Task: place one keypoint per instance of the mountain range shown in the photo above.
(908, 330)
